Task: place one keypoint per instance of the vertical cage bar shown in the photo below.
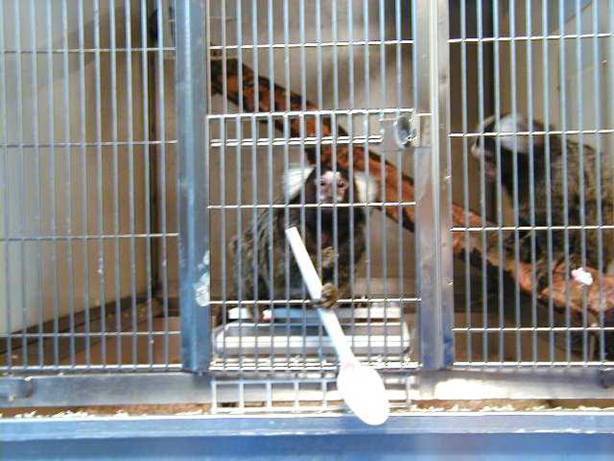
(194, 185)
(116, 196)
(222, 156)
(598, 180)
(318, 150)
(84, 184)
(147, 182)
(286, 133)
(350, 128)
(254, 175)
(367, 128)
(99, 183)
(4, 188)
(384, 94)
(68, 183)
(499, 187)
(161, 162)
(37, 181)
(52, 188)
(515, 169)
(131, 187)
(270, 160)
(582, 205)
(546, 84)
(333, 122)
(400, 167)
(433, 248)
(515, 185)
(530, 111)
(464, 122)
(563, 108)
(482, 193)
(22, 186)
(239, 154)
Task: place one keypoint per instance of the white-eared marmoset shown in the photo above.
(260, 267)
(564, 157)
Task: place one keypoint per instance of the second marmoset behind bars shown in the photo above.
(330, 207)
(557, 184)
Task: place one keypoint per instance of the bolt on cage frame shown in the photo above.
(192, 382)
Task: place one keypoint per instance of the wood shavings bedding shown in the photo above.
(204, 409)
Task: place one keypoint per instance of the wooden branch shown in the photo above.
(275, 98)
(309, 127)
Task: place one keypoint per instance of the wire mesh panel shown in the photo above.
(88, 239)
(532, 157)
(148, 172)
(307, 90)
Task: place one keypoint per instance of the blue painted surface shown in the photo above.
(420, 447)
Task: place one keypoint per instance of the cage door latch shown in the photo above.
(397, 133)
(12, 389)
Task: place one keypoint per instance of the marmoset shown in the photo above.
(549, 157)
(330, 207)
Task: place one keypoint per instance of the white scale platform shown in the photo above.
(377, 330)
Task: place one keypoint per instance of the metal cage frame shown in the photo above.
(436, 349)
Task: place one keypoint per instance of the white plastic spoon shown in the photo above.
(360, 386)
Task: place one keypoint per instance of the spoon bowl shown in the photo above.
(364, 393)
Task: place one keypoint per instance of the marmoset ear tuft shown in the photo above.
(366, 188)
(294, 178)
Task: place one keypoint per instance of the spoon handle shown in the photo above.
(309, 273)
(333, 328)
(314, 286)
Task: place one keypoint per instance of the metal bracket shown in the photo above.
(397, 133)
(606, 377)
(12, 389)
(422, 127)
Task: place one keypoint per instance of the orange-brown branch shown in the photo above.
(282, 100)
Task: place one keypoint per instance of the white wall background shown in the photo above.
(42, 279)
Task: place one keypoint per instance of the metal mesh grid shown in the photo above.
(87, 233)
(343, 70)
(292, 396)
(548, 61)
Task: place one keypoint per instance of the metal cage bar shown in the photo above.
(194, 185)
(434, 258)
